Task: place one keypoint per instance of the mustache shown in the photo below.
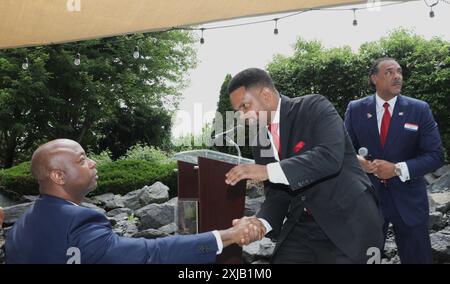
(395, 83)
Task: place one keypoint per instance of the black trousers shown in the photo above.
(307, 243)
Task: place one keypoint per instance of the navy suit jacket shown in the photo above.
(55, 231)
(420, 148)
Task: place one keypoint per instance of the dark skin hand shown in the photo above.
(242, 172)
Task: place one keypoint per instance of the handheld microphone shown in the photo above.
(365, 153)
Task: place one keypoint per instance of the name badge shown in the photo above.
(411, 127)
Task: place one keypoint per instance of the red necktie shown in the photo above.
(273, 128)
(385, 124)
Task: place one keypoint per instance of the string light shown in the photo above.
(77, 60)
(136, 52)
(355, 22)
(25, 64)
(202, 40)
(431, 7)
(275, 31)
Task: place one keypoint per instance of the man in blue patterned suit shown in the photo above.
(57, 230)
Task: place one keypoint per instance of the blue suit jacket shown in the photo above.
(54, 231)
(421, 149)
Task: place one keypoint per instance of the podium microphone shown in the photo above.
(231, 140)
(365, 153)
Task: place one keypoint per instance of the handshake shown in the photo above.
(244, 231)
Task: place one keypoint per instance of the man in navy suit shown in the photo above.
(57, 230)
(403, 139)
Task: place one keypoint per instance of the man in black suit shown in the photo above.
(320, 206)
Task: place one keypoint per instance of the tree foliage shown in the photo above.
(342, 75)
(110, 101)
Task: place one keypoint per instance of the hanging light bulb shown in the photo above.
(25, 64)
(202, 40)
(275, 31)
(136, 52)
(77, 60)
(355, 22)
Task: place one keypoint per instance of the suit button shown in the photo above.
(303, 198)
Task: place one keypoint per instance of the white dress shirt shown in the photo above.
(380, 112)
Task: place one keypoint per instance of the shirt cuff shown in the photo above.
(276, 174)
(219, 241)
(405, 171)
(266, 225)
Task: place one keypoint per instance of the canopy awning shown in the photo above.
(39, 22)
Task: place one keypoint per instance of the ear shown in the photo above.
(58, 177)
(373, 79)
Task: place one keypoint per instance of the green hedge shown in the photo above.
(118, 177)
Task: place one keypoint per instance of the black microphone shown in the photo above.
(365, 153)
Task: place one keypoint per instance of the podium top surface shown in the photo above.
(192, 157)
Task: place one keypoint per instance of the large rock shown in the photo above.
(169, 228)
(13, 213)
(442, 171)
(252, 205)
(436, 221)
(150, 234)
(157, 193)
(108, 201)
(390, 248)
(154, 216)
(126, 228)
(259, 250)
(442, 184)
(118, 211)
(440, 245)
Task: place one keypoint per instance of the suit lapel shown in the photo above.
(371, 118)
(285, 125)
(397, 120)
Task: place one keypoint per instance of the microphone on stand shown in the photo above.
(231, 140)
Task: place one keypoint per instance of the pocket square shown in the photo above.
(299, 146)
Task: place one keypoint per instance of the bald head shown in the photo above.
(62, 168)
(48, 157)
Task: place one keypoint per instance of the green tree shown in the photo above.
(111, 98)
(342, 75)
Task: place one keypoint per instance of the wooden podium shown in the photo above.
(201, 178)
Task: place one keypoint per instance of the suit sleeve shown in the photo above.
(349, 126)
(93, 236)
(325, 159)
(275, 207)
(430, 153)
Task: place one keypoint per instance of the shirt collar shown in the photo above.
(276, 118)
(380, 102)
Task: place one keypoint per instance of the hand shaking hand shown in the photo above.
(253, 229)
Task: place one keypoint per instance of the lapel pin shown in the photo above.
(400, 113)
(369, 115)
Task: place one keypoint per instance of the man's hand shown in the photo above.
(259, 230)
(385, 169)
(243, 232)
(240, 172)
(368, 166)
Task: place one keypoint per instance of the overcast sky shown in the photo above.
(231, 50)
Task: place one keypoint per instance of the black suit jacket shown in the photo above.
(320, 164)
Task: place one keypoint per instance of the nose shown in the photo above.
(92, 164)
